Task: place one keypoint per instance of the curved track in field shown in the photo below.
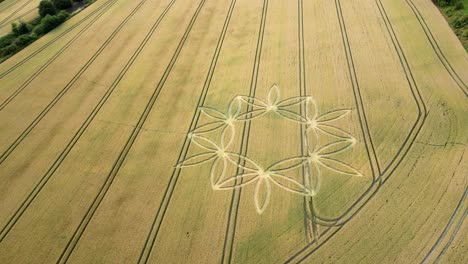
(319, 230)
(380, 176)
(437, 50)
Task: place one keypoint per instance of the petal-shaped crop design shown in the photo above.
(287, 164)
(334, 131)
(312, 177)
(197, 159)
(273, 95)
(227, 136)
(339, 166)
(208, 127)
(212, 113)
(336, 147)
(234, 107)
(244, 163)
(252, 102)
(262, 195)
(333, 115)
(299, 175)
(311, 139)
(218, 170)
(293, 101)
(291, 115)
(311, 109)
(237, 181)
(290, 184)
(251, 114)
(204, 142)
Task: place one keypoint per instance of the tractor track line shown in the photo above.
(310, 226)
(373, 162)
(308, 205)
(403, 215)
(30, 198)
(303, 254)
(164, 204)
(131, 140)
(5, 20)
(18, 64)
(371, 154)
(370, 149)
(8, 6)
(308, 223)
(68, 86)
(452, 237)
(422, 110)
(53, 58)
(236, 194)
(446, 230)
(18, 17)
(437, 50)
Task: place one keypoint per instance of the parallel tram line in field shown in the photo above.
(236, 194)
(18, 17)
(310, 225)
(333, 227)
(56, 55)
(43, 181)
(452, 237)
(338, 222)
(422, 109)
(6, 19)
(370, 150)
(454, 234)
(380, 176)
(310, 221)
(447, 230)
(437, 50)
(161, 211)
(72, 242)
(52, 41)
(387, 172)
(131, 140)
(10, 4)
(409, 210)
(68, 86)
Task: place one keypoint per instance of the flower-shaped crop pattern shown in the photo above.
(217, 153)
(221, 120)
(275, 173)
(300, 109)
(274, 104)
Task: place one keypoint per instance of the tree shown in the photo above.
(24, 40)
(46, 7)
(62, 4)
(20, 29)
(50, 22)
(459, 6)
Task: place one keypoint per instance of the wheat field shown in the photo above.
(14, 11)
(236, 131)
